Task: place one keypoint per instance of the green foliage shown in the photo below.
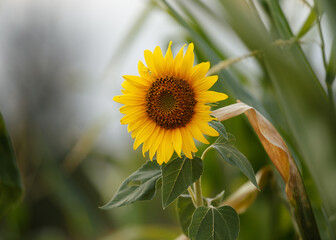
(287, 92)
(234, 157)
(185, 210)
(308, 24)
(177, 176)
(214, 223)
(10, 181)
(139, 186)
(219, 128)
(217, 200)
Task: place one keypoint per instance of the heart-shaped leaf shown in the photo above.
(234, 157)
(139, 186)
(177, 176)
(214, 223)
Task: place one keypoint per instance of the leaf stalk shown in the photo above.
(198, 192)
(192, 195)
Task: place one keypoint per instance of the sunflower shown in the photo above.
(166, 107)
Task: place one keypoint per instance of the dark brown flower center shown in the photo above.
(170, 102)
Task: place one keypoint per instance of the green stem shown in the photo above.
(197, 197)
(322, 43)
(228, 62)
(197, 184)
(198, 192)
(193, 197)
(329, 85)
(205, 152)
(331, 96)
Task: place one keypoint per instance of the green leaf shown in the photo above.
(280, 20)
(216, 201)
(308, 24)
(185, 210)
(10, 181)
(177, 176)
(139, 186)
(214, 223)
(219, 127)
(234, 157)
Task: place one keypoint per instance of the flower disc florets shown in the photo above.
(170, 102)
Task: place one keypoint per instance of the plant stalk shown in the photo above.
(197, 184)
(192, 195)
(331, 96)
(324, 58)
(198, 192)
(205, 152)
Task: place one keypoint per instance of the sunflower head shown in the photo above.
(166, 107)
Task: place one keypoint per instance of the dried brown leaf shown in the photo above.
(281, 157)
(270, 138)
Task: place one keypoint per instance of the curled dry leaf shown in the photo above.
(281, 157)
(270, 138)
(241, 199)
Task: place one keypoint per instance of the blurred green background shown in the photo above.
(61, 65)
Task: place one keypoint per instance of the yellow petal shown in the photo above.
(136, 124)
(137, 81)
(145, 72)
(199, 71)
(133, 89)
(188, 62)
(159, 156)
(169, 152)
(188, 140)
(177, 141)
(165, 150)
(129, 109)
(135, 132)
(169, 60)
(178, 60)
(210, 96)
(206, 129)
(187, 152)
(205, 83)
(202, 117)
(144, 134)
(149, 58)
(133, 117)
(148, 143)
(158, 62)
(161, 151)
(196, 133)
(156, 143)
(201, 107)
(202, 113)
(130, 99)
